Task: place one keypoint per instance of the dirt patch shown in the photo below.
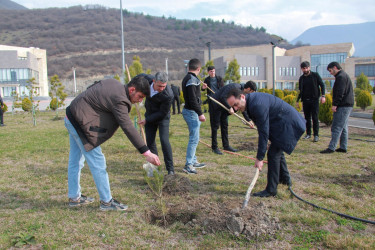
(249, 145)
(176, 184)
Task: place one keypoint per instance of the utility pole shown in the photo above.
(74, 80)
(209, 50)
(273, 67)
(122, 41)
(166, 66)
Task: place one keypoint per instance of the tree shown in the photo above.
(363, 83)
(57, 94)
(325, 111)
(135, 68)
(33, 91)
(233, 72)
(364, 99)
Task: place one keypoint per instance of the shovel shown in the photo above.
(252, 184)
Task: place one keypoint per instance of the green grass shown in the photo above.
(33, 191)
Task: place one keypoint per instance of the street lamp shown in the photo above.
(186, 65)
(273, 67)
(209, 50)
(122, 39)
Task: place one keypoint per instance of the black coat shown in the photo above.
(220, 83)
(342, 91)
(276, 121)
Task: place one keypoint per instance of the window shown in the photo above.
(248, 71)
(280, 71)
(288, 85)
(241, 71)
(319, 62)
(279, 85)
(367, 69)
(257, 71)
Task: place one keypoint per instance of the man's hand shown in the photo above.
(204, 85)
(152, 158)
(323, 100)
(334, 108)
(143, 122)
(231, 111)
(258, 164)
(202, 118)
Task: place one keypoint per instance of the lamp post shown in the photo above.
(273, 67)
(209, 50)
(166, 66)
(122, 40)
(186, 65)
(74, 80)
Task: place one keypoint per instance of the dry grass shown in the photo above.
(33, 191)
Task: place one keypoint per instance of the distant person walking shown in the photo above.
(342, 105)
(91, 119)
(1, 112)
(310, 88)
(176, 98)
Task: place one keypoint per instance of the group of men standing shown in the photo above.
(95, 115)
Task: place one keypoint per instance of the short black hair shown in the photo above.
(210, 68)
(252, 85)
(333, 64)
(305, 64)
(234, 92)
(140, 84)
(194, 64)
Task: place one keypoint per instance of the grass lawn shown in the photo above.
(33, 191)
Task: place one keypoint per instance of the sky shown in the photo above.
(285, 18)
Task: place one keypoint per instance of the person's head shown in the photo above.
(305, 67)
(334, 68)
(160, 81)
(250, 87)
(236, 99)
(211, 71)
(194, 65)
(138, 89)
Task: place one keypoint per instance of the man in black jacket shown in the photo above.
(218, 116)
(310, 87)
(342, 105)
(157, 115)
(176, 98)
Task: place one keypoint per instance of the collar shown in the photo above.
(152, 90)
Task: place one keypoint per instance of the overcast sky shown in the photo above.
(286, 18)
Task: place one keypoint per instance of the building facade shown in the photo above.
(18, 65)
(268, 64)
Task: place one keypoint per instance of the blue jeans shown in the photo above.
(192, 120)
(339, 128)
(96, 161)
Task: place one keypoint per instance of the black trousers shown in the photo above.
(1, 116)
(176, 99)
(151, 129)
(311, 110)
(218, 117)
(277, 168)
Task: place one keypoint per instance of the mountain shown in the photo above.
(89, 39)
(361, 35)
(10, 5)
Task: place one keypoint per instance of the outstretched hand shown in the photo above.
(152, 158)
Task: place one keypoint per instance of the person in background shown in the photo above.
(176, 98)
(1, 112)
(342, 105)
(91, 119)
(192, 114)
(310, 88)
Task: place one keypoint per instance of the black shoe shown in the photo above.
(307, 137)
(287, 182)
(230, 149)
(327, 151)
(316, 138)
(263, 193)
(217, 151)
(171, 172)
(341, 150)
(2, 125)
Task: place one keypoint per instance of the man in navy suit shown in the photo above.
(277, 122)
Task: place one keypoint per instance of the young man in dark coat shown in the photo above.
(342, 105)
(277, 122)
(158, 116)
(91, 119)
(310, 88)
(176, 98)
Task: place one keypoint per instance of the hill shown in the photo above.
(360, 34)
(10, 5)
(89, 38)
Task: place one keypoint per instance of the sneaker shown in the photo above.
(217, 151)
(230, 149)
(189, 169)
(112, 205)
(199, 165)
(327, 151)
(316, 138)
(83, 200)
(341, 150)
(307, 137)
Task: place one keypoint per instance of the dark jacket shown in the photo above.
(342, 91)
(276, 121)
(159, 105)
(220, 83)
(192, 93)
(97, 113)
(176, 90)
(1, 101)
(318, 86)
